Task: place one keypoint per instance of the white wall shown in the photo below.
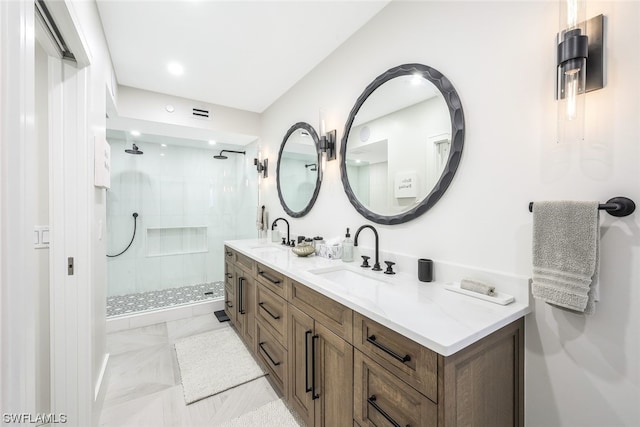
(580, 371)
(227, 122)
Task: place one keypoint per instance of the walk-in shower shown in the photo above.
(186, 204)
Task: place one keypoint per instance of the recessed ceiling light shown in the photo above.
(135, 133)
(163, 145)
(175, 68)
(169, 108)
(212, 142)
(162, 154)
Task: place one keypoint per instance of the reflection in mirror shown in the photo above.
(298, 172)
(398, 144)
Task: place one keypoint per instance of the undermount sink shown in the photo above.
(348, 278)
(266, 248)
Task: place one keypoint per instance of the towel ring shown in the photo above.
(618, 206)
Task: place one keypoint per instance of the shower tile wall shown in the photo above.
(182, 190)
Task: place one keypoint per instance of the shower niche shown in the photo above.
(163, 241)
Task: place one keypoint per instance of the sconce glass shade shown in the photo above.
(571, 100)
(572, 51)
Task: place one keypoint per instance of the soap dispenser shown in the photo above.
(347, 248)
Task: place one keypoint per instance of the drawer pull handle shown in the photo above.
(307, 389)
(314, 395)
(229, 275)
(269, 277)
(261, 304)
(403, 359)
(241, 295)
(268, 355)
(372, 401)
(229, 253)
(229, 304)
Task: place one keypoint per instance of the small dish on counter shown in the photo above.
(303, 249)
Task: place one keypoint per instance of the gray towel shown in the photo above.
(261, 219)
(566, 236)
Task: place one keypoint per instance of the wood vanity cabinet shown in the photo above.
(336, 367)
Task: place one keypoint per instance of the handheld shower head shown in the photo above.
(223, 157)
(134, 150)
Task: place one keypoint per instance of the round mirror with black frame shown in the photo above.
(298, 170)
(402, 144)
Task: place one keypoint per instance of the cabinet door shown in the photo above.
(334, 379)
(249, 306)
(299, 352)
(245, 302)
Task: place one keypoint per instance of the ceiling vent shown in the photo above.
(201, 113)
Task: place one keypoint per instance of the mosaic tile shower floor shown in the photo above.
(133, 303)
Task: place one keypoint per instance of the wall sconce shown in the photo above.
(580, 66)
(327, 142)
(262, 166)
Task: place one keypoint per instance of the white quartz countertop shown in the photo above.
(427, 313)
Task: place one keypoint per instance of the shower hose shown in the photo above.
(135, 216)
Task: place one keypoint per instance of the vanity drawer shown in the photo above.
(245, 262)
(274, 356)
(235, 257)
(271, 311)
(406, 359)
(272, 279)
(380, 398)
(229, 302)
(229, 273)
(335, 316)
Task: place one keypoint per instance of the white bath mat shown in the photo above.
(273, 414)
(213, 362)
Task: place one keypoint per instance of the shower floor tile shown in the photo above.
(144, 301)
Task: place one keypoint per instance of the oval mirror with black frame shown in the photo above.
(402, 144)
(298, 170)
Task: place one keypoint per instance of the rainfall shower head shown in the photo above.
(133, 150)
(223, 157)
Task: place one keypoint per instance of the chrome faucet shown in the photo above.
(376, 266)
(273, 224)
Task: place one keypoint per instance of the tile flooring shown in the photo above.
(143, 381)
(153, 300)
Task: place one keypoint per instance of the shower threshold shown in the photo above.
(124, 305)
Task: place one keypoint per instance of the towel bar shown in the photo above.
(618, 206)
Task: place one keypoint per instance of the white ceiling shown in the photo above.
(235, 53)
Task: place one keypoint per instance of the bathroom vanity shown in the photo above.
(350, 347)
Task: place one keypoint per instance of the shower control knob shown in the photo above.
(284, 240)
(365, 261)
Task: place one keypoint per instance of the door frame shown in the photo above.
(71, 185)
